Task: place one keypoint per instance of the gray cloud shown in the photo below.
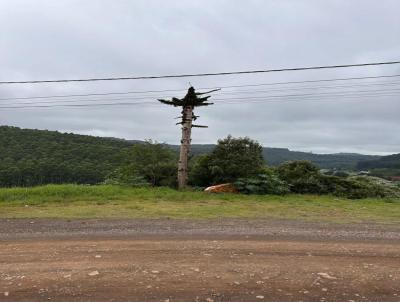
(46, 39)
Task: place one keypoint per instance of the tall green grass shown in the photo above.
(109, 201)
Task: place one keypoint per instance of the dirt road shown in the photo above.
(225, 260)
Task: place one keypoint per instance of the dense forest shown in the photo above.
(32, 157)
(389, 162)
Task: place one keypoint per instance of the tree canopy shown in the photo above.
(155, 162)
(35, 157)
(232, 158)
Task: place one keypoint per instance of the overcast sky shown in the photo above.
(93, 38)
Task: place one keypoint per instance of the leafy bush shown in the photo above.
(231, 159)
(381, 187)
(303, 177)
(126, 177)
(264, 183)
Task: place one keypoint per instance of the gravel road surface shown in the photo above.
(208, 260)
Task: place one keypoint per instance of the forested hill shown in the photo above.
(389, 161)
(31, 157)
(386, 166)
(276, 156)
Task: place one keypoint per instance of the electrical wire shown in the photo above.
(222, 87)
(237, 92)
(201, 74)
(222, 94)
(268, 98)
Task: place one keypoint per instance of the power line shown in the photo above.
(277, 98)
(269, 98)
(310, 81)
(222, 87)
(236, 92)
(224, 101)
(312, 87)
(90, 94)
(201, 74)
(318, 94)
(78, 105)
(348, 98)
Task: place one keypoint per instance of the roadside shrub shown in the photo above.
(126, 177)
(356, 190)
(378, 186)
(264, 183)
(302, 177)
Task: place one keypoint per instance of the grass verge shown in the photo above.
(107, 201)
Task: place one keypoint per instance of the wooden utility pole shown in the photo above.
(188, 103)
(183, 171)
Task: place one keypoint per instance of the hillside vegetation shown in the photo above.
(386, 166)
(34, 157)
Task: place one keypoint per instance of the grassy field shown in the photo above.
(74, 201)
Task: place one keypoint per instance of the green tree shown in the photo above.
(200, 174)
(154, 162)
(231, 159)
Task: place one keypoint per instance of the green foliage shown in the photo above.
(341, 174)
(235, 158)
(154, 162)
(385, 162)
(381, 187)
(231, 159)
(303, 177)
(199, 172)
(35, 157)
(126, 176)
(385, 172)
(266, 182)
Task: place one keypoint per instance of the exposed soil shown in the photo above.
(214, 260)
